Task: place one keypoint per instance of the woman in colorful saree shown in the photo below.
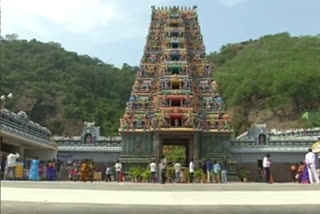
(74, 172)
(51, 172)
(305, 175)
(41, 170)
(83, 172)
(34, 170)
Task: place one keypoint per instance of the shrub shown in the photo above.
(136, 173)
(186, 174)
(146, 175)
(170, 174)
(198, 175)
(244, 173)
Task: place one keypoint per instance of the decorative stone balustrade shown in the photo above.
(20, 125)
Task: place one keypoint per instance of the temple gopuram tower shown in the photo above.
(174, 100)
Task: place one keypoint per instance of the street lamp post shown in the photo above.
(3, 99)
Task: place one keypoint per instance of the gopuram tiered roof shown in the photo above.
(174, 100)
(175, 89)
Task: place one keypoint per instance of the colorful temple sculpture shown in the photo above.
(174, 100)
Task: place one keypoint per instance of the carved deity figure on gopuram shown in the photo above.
(175, 93)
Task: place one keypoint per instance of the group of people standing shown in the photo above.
(160, 174)
(51, 170)
(307, 172)
(38, 171)
(118, 172)
(212, 171)
(82, 171)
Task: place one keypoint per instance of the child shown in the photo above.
(74, 172)
(108, 173)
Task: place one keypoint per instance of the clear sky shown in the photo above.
(115, 30)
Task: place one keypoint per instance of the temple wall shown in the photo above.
(280, 168)
(276, 157)
(214, 146)
(97, 157)
(138, 143)
(43, 155)
(138, 149)
(280, 171)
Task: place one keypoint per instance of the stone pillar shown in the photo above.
(156, 147)
(21, 152)
(196, 149)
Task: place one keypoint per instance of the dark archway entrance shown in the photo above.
(175, 153)
(262, 139)
(177, 142)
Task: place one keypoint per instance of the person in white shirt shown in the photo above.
(108, 173)
(118, 167)
(153, 170)
(311, 162)
(216, 171)
(191, 170)
(266, 163)
(11, 165)
(177, 169)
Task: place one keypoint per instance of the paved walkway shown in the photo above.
(154, 194)
(128, 186)
(63, 208)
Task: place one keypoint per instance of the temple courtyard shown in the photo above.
(100, 197)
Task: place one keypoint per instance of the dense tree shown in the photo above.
(275, 72)
(55, 86)
(12, 36)
(61, 89)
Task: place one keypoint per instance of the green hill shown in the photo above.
(274, 79)
(61, 89)
(271, 80)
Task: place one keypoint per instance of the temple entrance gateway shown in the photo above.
(175, 153)
(173, 145)
(174, 101)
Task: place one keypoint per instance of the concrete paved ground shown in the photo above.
(161, 187)
(48, 208)
(100, 197)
